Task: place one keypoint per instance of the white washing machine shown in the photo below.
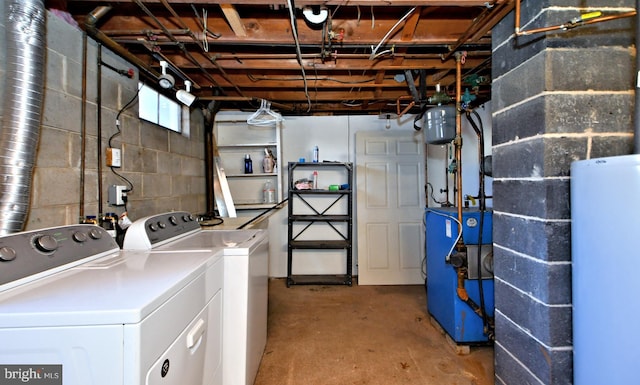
(75, 310)
(246, 272)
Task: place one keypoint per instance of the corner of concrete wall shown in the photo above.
(557, 97)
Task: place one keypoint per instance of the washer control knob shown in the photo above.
(79, 237)
(7, 254)
(46, 243)
(161, 224)
(153, 227)
(95, 234)
(173, 220)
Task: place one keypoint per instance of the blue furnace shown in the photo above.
(455, 316)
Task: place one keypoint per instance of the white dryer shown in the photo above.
(246, 272)
(76, 310)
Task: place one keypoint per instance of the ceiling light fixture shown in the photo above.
(315, 18)
(387, 116)
(165, 80)
(185, 96)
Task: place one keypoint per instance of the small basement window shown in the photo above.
(159, 109)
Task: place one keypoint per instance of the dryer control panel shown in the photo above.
(152, 231)
(29, 255)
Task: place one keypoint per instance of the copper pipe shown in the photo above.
(517, 17)
(458, 140)
(405, 97)
(565, 26)
(461, 291)
(571, 26)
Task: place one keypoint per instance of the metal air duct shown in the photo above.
(22, 108)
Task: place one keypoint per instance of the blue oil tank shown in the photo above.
(455, 316)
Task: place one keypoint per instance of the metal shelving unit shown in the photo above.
(332, 209)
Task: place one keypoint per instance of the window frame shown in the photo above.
(158, 108)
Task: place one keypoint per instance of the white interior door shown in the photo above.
(390, 205)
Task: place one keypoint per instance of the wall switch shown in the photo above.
(116, 195)
(114, 157)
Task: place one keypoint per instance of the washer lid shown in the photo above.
(234, 242)
(121, 288)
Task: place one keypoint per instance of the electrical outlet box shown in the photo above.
(114, 157)
(116, 195)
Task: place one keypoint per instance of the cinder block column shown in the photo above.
(557, 97)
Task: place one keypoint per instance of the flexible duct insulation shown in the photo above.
(22, 106)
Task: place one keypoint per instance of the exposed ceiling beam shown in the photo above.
(232, 16)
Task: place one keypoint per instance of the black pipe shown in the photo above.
(488, 325)
(99, 127)
(83, 129)
(480, 133)
(93, 31)
(128, 72)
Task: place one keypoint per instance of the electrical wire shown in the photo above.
(403, 18)
(294, 31)
(431, 211)
(205, 41)
(430, 186)
(210, 221)
(203, 25)
(119, 132)
(373, 19)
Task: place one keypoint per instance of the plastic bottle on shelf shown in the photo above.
(268, 192)
(268, 162)
(248, 164)
(315, 180)
(316, 154)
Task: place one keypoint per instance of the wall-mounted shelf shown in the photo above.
(235, 139)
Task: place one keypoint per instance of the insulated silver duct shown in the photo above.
(22, 107)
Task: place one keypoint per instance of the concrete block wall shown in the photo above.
(165, 168)
(556, 98)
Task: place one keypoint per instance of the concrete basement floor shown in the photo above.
(338, 335)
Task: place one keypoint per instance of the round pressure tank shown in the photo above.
(440, 125)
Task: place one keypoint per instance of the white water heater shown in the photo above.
(605, 225)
